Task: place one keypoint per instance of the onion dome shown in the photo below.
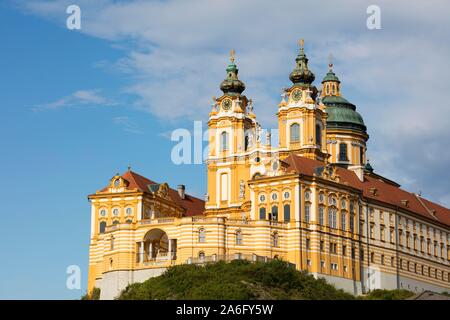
(301, 73)
(232, 85)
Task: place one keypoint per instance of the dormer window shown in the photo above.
(116, 183)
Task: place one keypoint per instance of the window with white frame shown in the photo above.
(201, 235)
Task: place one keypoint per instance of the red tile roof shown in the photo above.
(193, 205)
(385, 192)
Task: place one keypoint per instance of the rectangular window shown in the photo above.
(224, 187)
(344, 250)
(321, 222)
(308, 244)
(352, 222)
(287, 212)
(321, 245)
(343, 152)
(382, 233)
(262, 213)
(372, 231)
(307, 207)
(343, 221)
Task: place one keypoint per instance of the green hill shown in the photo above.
(235, 280)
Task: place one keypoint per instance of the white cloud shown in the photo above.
(80, 97)
(127, 124)
(176, 54)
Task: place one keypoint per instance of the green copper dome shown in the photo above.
(342, 114)
(231, 84)
(301, 74)
(331, 76)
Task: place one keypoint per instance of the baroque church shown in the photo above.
(313, 201)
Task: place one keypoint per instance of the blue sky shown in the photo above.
(79, 106)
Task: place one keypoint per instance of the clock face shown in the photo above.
(226, 104)
(297, 95)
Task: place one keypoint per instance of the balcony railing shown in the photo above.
(229, 257)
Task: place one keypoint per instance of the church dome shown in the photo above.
(342, 114)
(301, 74)
(231, 84)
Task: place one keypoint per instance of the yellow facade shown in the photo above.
(296, 201)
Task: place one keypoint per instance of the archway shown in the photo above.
(157, 245)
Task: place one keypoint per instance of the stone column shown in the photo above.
(141, 251)
(150, 250)
(170, 249)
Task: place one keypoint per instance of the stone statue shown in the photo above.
(241, 189)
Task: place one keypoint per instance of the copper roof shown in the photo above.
(385, 192)
(193, 206)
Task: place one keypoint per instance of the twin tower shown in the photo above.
(316, 124)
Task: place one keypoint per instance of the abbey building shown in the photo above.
(312, 200)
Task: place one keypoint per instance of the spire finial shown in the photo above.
(232, 55)
(129, 167)
(330, 61)
(301, 42)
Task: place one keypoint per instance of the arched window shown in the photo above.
(275, 213)
(246, 143)
(295, 132)
(201, 256)
(224, 141)
(102, 227)
(318, 135)
(287, 213)
(275, 239)
(201, 235)
(238, 237)
(262, 213)
(343, 152)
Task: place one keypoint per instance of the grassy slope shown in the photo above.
(234, 280)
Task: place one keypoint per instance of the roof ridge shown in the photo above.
(430, 212)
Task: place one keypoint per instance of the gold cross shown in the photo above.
(301, 42)
(232, 55)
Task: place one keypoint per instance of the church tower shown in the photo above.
(346, 131)
(301, 120)
(231, 124)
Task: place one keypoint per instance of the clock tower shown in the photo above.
(301, 117)
(231, 124)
